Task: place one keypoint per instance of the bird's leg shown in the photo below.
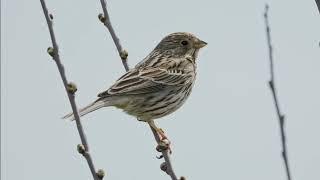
(164, 141)
(158, 130)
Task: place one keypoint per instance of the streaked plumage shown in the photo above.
(159, 84)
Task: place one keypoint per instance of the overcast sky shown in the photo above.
(228, 128)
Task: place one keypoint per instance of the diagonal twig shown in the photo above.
(71, 89)
(281, 116)
(166, 166)
(123, 55)
(106, 21)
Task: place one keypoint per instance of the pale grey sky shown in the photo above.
(228, 128)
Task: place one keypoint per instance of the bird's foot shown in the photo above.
(164, 143)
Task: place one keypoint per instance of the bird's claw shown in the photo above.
(164, 145)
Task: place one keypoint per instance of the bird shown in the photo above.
(158, 85)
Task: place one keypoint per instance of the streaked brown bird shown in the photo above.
(158, 85)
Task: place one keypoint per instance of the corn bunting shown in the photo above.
(158, 85)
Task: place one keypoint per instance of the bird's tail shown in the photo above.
(83, 111)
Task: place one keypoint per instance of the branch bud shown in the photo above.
(72, 87)
(81, 149)
(101, 18)
(163, 166)
(271, 84)
(100, 173)
(51, 16)
(182, 178)
(123, 54)
(50, 51)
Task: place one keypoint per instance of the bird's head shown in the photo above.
(180, 44)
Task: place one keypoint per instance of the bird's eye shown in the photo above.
(184, 43)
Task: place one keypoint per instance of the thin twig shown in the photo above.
(71, 89)
(106, 21)
(165, 153)
(318, 4)
(123, 54)
(281, 116)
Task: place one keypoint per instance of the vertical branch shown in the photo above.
(272, 86)
(70, 89)
(104, 18)
(318, 4)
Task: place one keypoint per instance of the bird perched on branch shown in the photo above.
(158, 85)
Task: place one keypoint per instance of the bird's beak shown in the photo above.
(200, 44)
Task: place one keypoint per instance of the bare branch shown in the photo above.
(318, 4)
(165, 153)
(123, 54)
(106, 21)
(70, 89)
(281, 117)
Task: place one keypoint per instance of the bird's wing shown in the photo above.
(146, 80)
